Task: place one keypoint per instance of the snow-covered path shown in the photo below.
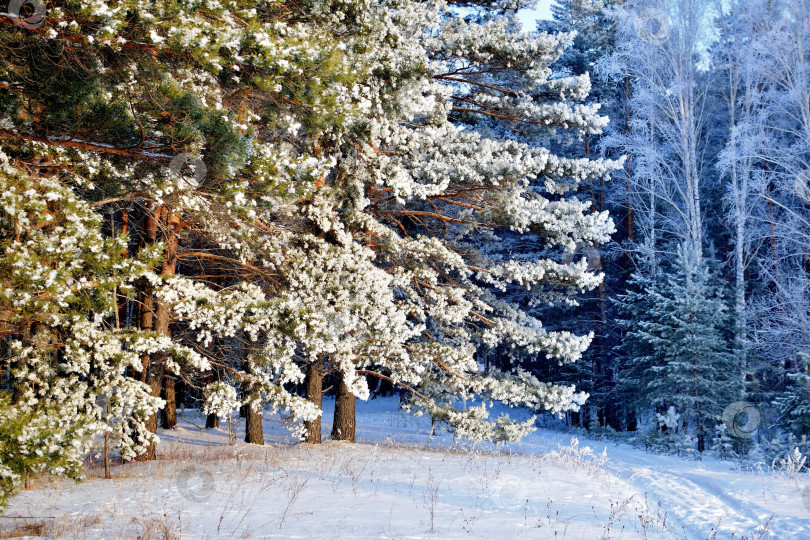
(707, 495)
(701, 498)
(695, 497)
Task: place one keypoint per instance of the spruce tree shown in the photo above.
(639, 361)
(595, 372)
(793, 405)
(688, 362)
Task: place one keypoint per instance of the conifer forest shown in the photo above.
(405, 269)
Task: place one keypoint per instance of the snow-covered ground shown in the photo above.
(399, 482)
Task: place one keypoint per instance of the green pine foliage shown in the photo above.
(31, 443)
(58, 281)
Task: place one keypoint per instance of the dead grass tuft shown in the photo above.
(25, 528)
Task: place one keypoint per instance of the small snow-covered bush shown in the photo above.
(579, 457)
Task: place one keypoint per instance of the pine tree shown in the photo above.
(194, 144)
(595, 372)
(66, 358)
(507, 111)
(314, 181)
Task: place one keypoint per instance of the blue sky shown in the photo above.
(541, 11)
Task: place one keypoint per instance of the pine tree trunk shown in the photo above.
(180, 393)
(5, 316)
(162, 315)
(154, 379)
(154, 368)
(314, 390)
(242, 388)
(212, 420)
(107, 474)
(628, 168)
(698, 415)
(170, 410)
(343, 425)
(146, 322)
(254, 431)
(121, 300)
(3, 349)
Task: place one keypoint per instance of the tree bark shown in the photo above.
(120, 299)
(314, 390)
(343, 425)
(171, 221)
(180, 393)
(254, 431)
(154, 316)
(698, 415)
(146, 317)
(628, 168)
(5, 317)
(154, 379)
(170, 410)
(107, 475)
(212, 420)
(243, 390)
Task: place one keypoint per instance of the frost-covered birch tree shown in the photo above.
(734, 59)
(668, 109)
(780, 313)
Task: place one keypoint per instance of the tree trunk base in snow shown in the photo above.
(314, 390)
(254, 430)
(343, 426)
(155, 380)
